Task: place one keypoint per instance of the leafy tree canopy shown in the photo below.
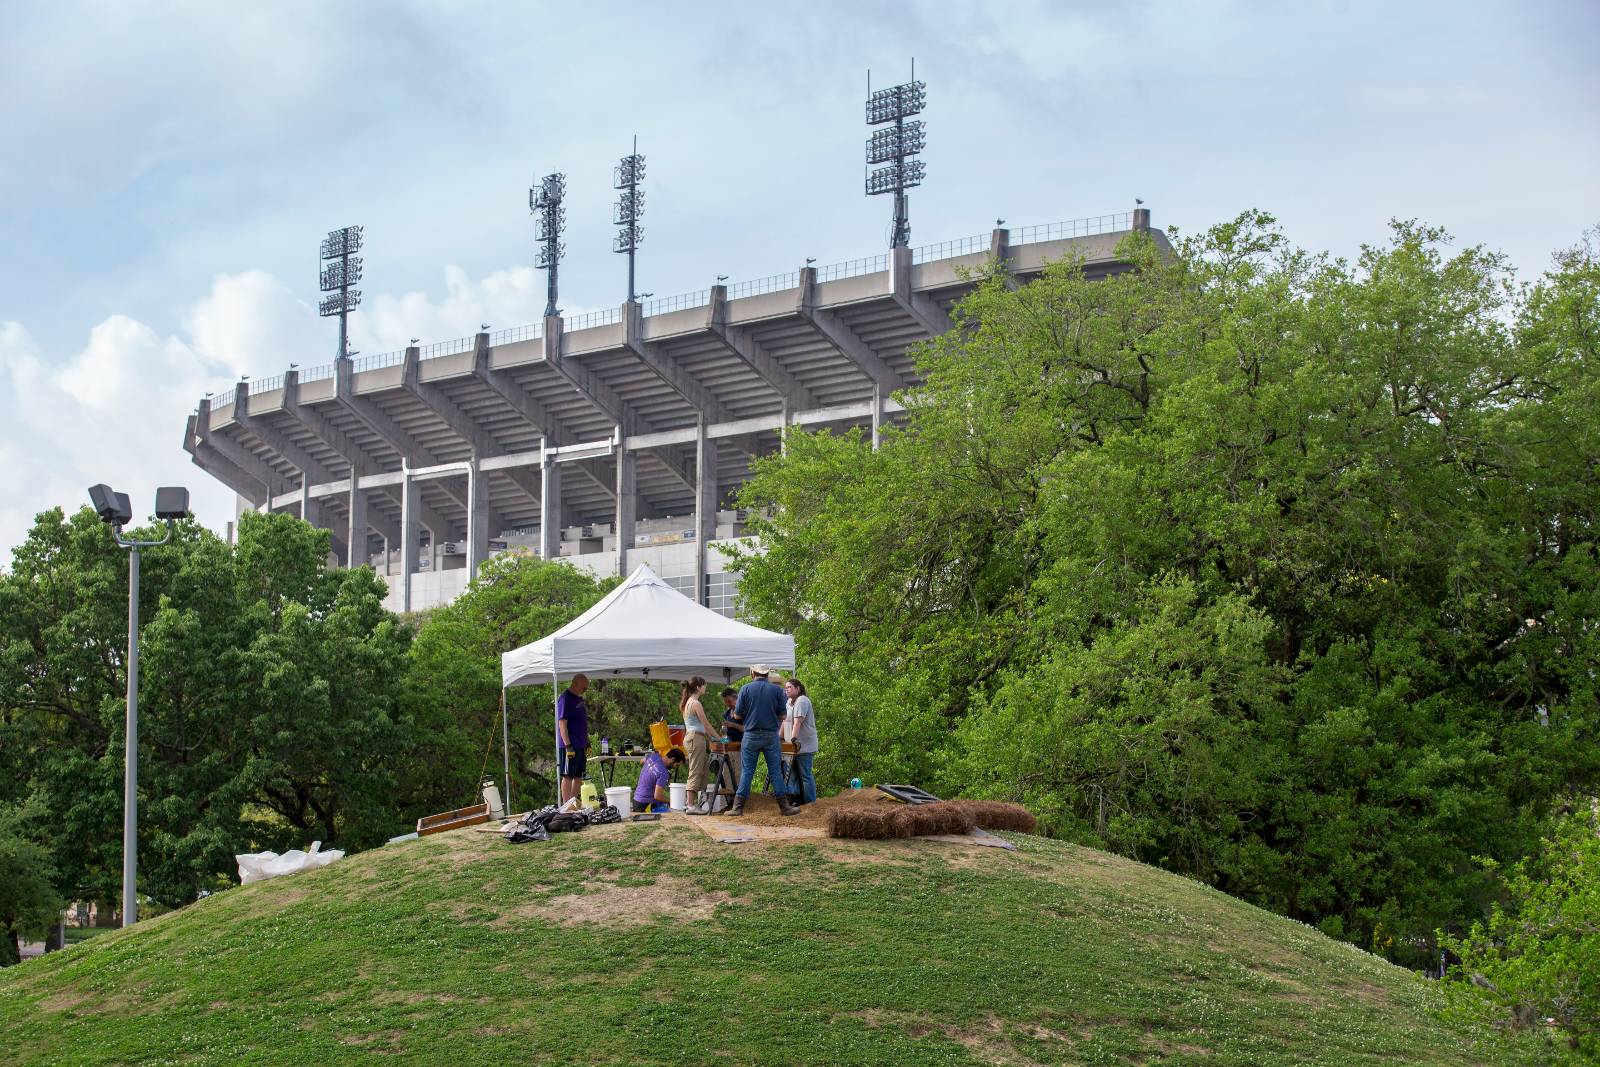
(1274, 569)
(267, 700)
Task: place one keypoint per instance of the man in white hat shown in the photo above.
(763, 706)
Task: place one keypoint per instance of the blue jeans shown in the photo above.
(808, 781)
(761, 743)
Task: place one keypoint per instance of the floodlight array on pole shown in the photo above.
(895, 145)
(630, 208)
(550, 220)
(172, 504)
(341, 270)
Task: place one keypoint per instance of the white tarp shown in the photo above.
(646, 629)
(257, 866)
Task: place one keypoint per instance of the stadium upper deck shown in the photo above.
(615, 418)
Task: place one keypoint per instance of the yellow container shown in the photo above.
(589, 798)
(660, 737)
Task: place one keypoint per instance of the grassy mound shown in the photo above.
(653, 944)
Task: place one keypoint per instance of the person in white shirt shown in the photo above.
(800, 727)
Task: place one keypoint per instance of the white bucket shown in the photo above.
(679, 792)
(620, 797)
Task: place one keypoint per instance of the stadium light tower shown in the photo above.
(895, 145)
(172, 504)
(550, 219)
(341, 269)
(630, 208)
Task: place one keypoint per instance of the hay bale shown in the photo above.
(996, 815)
(865, 823)
(941, 818)
(912, 820)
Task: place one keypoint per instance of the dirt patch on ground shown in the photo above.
(384, 1041)
(397, 997)
(986, 1040)
(266, 900)
(134, 1002)
(622, 905)
(460, 847)
(66, 1000)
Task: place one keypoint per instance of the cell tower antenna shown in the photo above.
(895, 145)
(341, 270)
(550, 221)
(630, 208)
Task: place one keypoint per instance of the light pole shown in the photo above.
(172, 503)
(895, 145)
(550, 219)
(630, 209)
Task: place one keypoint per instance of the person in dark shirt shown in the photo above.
(732, 725)
(652, 792)
(572, 730)
(762, 707)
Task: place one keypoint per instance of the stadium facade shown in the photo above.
(609, 439)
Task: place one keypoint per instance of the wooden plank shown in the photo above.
(452, 820)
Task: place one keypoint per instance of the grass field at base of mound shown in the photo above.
(652, 944)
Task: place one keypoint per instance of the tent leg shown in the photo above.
(555, 730)
(505, 746)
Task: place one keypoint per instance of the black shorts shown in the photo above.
(574, 765)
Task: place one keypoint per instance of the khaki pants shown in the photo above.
(698, 749)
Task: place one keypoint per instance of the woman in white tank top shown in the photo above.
(697, 734)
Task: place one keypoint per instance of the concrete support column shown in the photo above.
(877, 414)
(627, 502)
(550, 508)
(706, 495)
(1141, 219)
(477, 520)
(409, 531)
(306, 507)
(356, 550)
(1000, 247)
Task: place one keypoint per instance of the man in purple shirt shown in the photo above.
(572, 731)
(654, 778)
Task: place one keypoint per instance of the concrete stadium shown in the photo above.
(609, 439)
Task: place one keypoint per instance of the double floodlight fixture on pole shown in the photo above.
(895, 145)
(550, 221)
(341, 270)
(630, 208)
(172, 504)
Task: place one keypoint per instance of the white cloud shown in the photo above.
(114, 411)
(510, 297)
(251, 321)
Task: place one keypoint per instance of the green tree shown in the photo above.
(1276, 569)
(29, 901)
(268, 710)
(1537, 956)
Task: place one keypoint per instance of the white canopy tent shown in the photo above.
(644, 628)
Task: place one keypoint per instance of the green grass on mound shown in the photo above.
(632, 944)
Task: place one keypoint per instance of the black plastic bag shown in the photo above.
(521, 834)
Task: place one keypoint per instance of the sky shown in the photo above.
(171, 168)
